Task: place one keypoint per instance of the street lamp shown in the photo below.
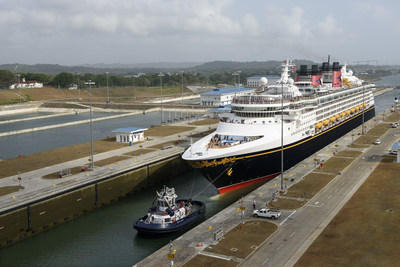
(91, 124)
(282, 136)
(363, 111)
(162, 116)
(108, 94)
(182, 86)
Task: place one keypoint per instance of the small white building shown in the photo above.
(223, 96)
(26, 84)
(129, 135)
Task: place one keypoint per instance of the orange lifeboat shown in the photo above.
(353, 110)
(365, 105)
(361, 106)
(342, 114)
(318, 125)
(347, 112)
(333, 119)
(326, 122)
(337, 116)
(357, 108)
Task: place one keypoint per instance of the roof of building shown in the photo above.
(129, 130)
(226, 90)
(221, 109)
(396, 146)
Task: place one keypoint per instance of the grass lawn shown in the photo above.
(349, 153)
(243, 239)
(204, 122)
(366, 231)
(139, 152)
(309, 185)
(104, 162)
(167, 130)
(371, 136)
(5, 190)
(43, 159)
(393, 117)
(335, 164)
(165, 144)
(202, 260)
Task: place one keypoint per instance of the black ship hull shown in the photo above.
(230, 173)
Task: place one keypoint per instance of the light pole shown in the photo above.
(182, 86)
(363, 111)
(282, 136)
(162, 116)
(91, 124)
(108, 93)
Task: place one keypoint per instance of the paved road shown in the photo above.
(298, 232)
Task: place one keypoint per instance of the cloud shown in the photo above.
(329, 27)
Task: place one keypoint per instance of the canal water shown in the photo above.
(105, 237)
(29, 143)
(52, 120)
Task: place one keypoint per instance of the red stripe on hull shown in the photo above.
(229, 188)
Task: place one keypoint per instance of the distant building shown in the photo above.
(26, 84)
(222, 96)
(258, 80)
(129, 135)
(73, 86)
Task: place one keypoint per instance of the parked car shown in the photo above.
(377, 142)
(267, 213)
(393, 152)
(395, 124)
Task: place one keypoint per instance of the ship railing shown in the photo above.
(218, 141)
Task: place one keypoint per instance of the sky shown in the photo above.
(73, 32)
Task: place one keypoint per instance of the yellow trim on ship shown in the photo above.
(205, 163)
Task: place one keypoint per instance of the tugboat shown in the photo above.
(169, 214)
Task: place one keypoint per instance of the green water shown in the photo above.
(106, 237)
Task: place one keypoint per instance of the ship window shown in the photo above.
(167, 219)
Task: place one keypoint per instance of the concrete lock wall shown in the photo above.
(62, 208)
(166, 169)
(13, 226)
(120, 186)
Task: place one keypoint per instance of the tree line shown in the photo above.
(66, 79)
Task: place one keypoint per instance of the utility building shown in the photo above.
(223, 96)
(129, 135)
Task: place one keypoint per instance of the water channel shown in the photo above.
(105, 237)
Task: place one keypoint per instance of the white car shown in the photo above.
(377, 142)
(267, 213)
(395, 125)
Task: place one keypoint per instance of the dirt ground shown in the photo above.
(201, 261)
(5, 190)
(366, 231)
(166, 130)
(204, 122)
(309, 185)
(138, 152)
(43, 159)
(393, 117)
(244, 238)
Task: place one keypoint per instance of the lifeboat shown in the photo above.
(347, 112)
(342, 114)
(365, 105)
(326, 122)
(318, 125)
(353, 110)
(337, 116)
(333, 119)
(361, 106)
(357, 108)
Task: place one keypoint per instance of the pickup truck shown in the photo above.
(267, 213)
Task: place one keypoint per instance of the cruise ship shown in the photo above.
(299, 115)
